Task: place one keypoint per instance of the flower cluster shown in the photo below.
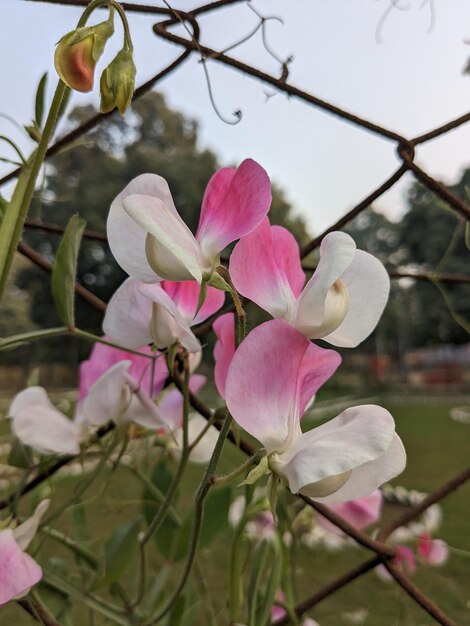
(268, 381)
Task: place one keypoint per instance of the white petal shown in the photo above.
(25, 532)
(47, 430)
(128, 315)
(109, 398)
(369, 476)
(322, 305)
(125, 236)
(356, 436)
(203, 450)
(31, 396)
(368, 286)
(171, 248)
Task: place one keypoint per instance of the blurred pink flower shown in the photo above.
(360, 513)
(19, 571)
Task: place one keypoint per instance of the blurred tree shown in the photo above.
(85, 179)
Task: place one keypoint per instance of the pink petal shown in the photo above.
(235, 202)
(405, 560)
(224, 349)
(102, 357)
(265, 267)
(318, 366)
(360, 513)
(185, 295)
(268, 382)
(432, 551)
(125, 236)
(18, 571)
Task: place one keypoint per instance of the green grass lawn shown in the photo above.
(437, 448)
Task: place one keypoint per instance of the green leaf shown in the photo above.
(33, 378)
(40, 96)
(257, 472)
(79, 521)
(274, 580)
(183, 538)
(201, 299)
(56, 601)
(167, 535)
(177, 611)
(65, 270)
(120, 550)
(20, 455)
(216, 506)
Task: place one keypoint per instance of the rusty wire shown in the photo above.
(405, 149)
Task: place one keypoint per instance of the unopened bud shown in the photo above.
(117, 83)
(78, 52)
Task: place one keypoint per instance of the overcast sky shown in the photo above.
(410, 82)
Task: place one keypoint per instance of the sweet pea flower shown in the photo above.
(115, 396)
(432, 551)
(272, 377)
(150, 241)
(341, 303)
(360, 513)
(139, 313)
(19, 572)
(429, 551)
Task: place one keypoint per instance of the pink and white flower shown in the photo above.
(272, 377)
(19, 572)
(115, 396)
(341, 303)
(139, 313)
(150, 241)
(360, 513)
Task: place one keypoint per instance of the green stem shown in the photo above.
(64, 330)
(256, 582)
(14, 146)
(162, 511)
(15, 214)
(39, 334)
(236, 568)
(154, 490)
(65, 540)
(197, 523)
(217, 480)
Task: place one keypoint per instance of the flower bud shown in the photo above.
(117, 83)
(78, 52)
